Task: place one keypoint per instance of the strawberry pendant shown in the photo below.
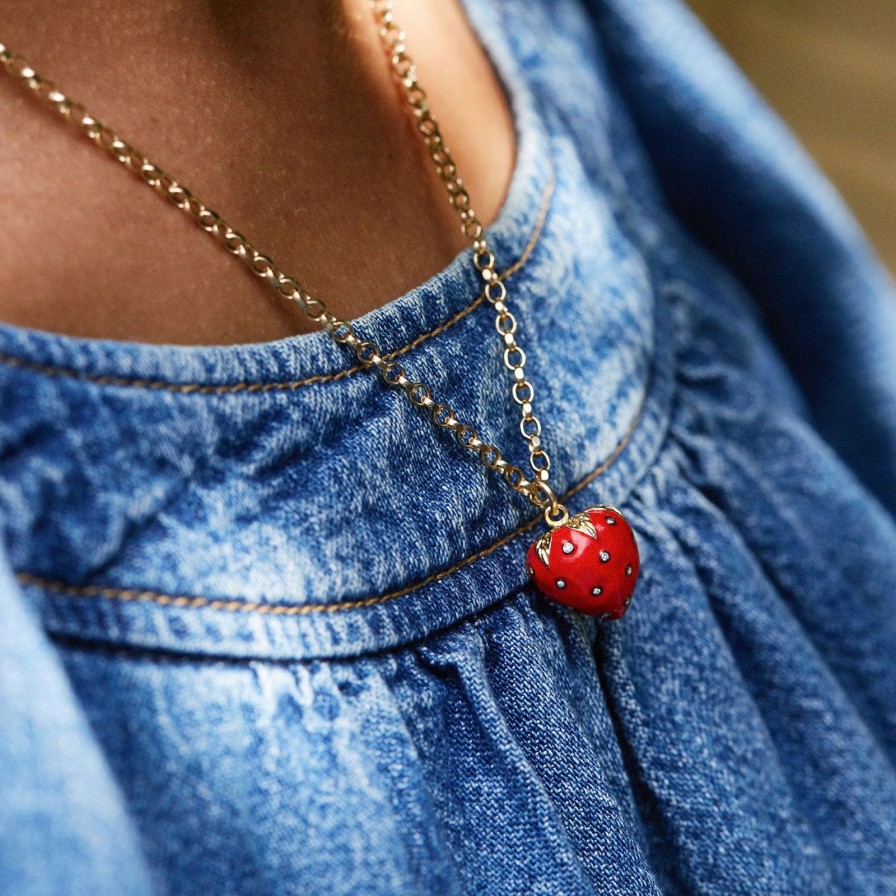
(589, 563)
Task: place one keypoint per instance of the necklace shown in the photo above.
(588, 561)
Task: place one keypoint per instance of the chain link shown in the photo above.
(393, 39)
(368, 354)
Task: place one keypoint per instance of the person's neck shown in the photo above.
(129, 38)
(284, 117)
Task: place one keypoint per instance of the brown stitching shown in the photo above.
(241, 606)
(524, 257)
(230, 388)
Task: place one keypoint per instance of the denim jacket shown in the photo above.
(266, 630)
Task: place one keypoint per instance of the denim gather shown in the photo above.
(265, 629)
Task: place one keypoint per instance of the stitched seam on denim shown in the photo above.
(242, 606)
(159, 655)
(249, 387)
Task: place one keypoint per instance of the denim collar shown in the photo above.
(272, 500)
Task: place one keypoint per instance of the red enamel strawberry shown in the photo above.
(590, 562)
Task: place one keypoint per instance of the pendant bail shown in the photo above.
(555, 514)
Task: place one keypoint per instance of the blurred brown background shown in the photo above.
(829, 68)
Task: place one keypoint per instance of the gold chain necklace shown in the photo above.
(588, 561)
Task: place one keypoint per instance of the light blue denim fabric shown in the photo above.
(265, 630)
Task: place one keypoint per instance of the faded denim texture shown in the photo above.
(265, 630)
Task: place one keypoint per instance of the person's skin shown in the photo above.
(281, 115)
